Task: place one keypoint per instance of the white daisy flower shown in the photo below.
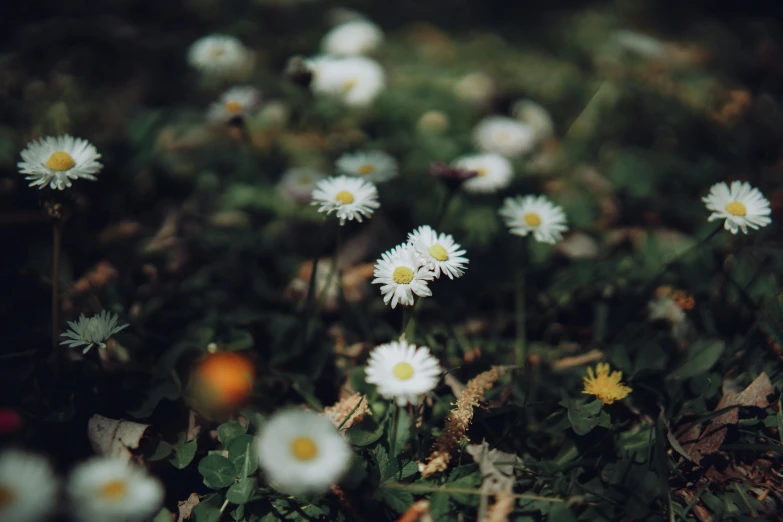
(476, 88)
(742, 206)
(402, 275)
(355, 80)
(349, 198)
(536, 215)
(372, 165)
(494, 172)
(95, 330)
(237, 102)
(28, 487)
(503, 135)
(301, 452)
(438, 252)
(219, 55)
(57, 161)
(299, 183)
(402, 372)
(352, 38)
(108, 489)
(536, 116)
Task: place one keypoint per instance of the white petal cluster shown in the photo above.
(372, 165)
(354, 80)
(348, 197)
(505, 136)
(299, 183)
(28, 487)
(237, 102)
(57, 161)
(403, 372)
(219, 55)
(534, 215)
(494, 172)
(438, 252)
(741, 206)
(352, 38)
(536, 116)
(90, 331)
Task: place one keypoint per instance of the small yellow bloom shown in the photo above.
(604, 385)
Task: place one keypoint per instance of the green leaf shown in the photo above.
(239, 340)
(184, 452)
(560, 513)
(208, 510)
(229, 431)
(467, 482)
(702, 356)
(240, 491)
(238, 513)
(586, 416)
(236, 454)
(218, 471)
(162, 450)
(365, 432)
(392, 469)
(397, 499)
(164, 515)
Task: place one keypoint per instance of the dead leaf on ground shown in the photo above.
(186, 507)
(497, 472)
(114, 438)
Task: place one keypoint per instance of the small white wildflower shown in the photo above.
(219, 55)
(372, 165)
(349, 198)
(494, 172)
(476, 88)
(237, 102)
(94, 330)
(534, 215)
(402, 275)
(299, 183)
(354, 80)
(742, 206)
(403, 372)
(504, 136)
(28, 487)
(352, 38)
(536, 116)
(57, 161)
(438, 252)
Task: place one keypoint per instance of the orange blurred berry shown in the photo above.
(227, 377)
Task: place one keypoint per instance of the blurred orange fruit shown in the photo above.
(226, 377)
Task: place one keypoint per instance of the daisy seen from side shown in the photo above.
(372, 165)
(438, 252)
(237, 102)
(402, 372)
(740, 205)
(505, 136)
(57, 161)
(494, 172)
(401, 276)
(349, 198)
(534, 215)
(28, 487)
(302, 452)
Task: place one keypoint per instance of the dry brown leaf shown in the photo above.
(186, 507)
(578, 360)
(194, 428)
(418, 512)
(114, 438)
(497, 472)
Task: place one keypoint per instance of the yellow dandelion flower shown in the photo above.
(604, 385)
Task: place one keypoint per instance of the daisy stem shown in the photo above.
(520, 347)
(56, 246)
(444, 207)
(395, 425)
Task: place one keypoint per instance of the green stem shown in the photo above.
(520, 345)
(409, 327)
(56, 246)
(444, 207)
(395, 425)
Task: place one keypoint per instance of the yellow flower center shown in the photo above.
(402, 275)
(7, 496)
(305, 180)
(114, 490)
(303, 448)
(233, 106)
(366, 169)
(605, 386)
(481, 172)
(403, 371)
(736, 208)
(217, 51)
(60, 161)
(438, 252)
(532, 219)
(349, 84)
(344, 197)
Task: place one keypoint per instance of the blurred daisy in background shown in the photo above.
(299, 183)
(302, 452)
(56, 162)
(95, 330)
(349, 198)
(494, 172)
(438, 252)
(536, 116)
(219, 55)
(741, 205)
(505, 136)
(372, 165)
(352, 38)
(355, 80)
(113, 489)
(475, 88)
(28, 487)
(402, 372)
(237, 102)
(534, 215)
(402, 275)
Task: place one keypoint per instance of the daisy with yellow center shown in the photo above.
(28, 487)
(402, 275)
(302, 452)
(372, 165)
(354, 80)
(402, 372)
(352, 38)
(220, 56)
(534, 215)
(349, 198)
(56, 162)
(494, 172)
(604, 385)
(113, 489)
(237, 102)
(741, 206)
(505, 136)
(438, 252)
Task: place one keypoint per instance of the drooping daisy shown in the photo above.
(354, 80)
(57, 161)
(349, 198)
(402, 275)
(372, 165)
(494, 172)
(105, 489)
(742, 206)
(219, 55)
(605, 386)
(352, 38)
(505, 136)
(299, 183)
(438, 252)
(28, 487)
(237, 102)
(403, 372)
(95, 330)
(301, 452)
(534, 215)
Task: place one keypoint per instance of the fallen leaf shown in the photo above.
(114, 438)
(194, 428)
(186, 507)
(497, 474)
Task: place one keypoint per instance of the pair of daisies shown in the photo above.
(101, 489)
(301, 451)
